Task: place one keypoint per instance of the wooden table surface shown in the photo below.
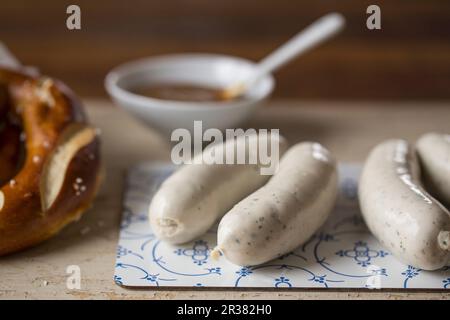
(349, 131)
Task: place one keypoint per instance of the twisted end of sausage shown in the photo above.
(167, 227)
(216, 253)
(444, 240)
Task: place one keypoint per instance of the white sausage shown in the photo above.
(284, 213)
(434, 154)
(397, 209)
(195, 196)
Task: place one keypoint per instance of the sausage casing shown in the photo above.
(399, 211)
(284, 213)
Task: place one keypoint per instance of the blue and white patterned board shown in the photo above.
(343, 254)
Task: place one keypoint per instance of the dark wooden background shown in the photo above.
(409, 59)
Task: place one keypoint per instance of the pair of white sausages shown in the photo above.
(268, 223)
(398, 210)
(192, 199)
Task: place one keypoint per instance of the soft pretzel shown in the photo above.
(10, 151)
(59, 175)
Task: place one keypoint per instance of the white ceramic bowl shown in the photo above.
(207, 70)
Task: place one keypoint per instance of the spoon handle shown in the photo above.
(317, 32)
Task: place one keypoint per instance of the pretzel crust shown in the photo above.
(60, 173)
